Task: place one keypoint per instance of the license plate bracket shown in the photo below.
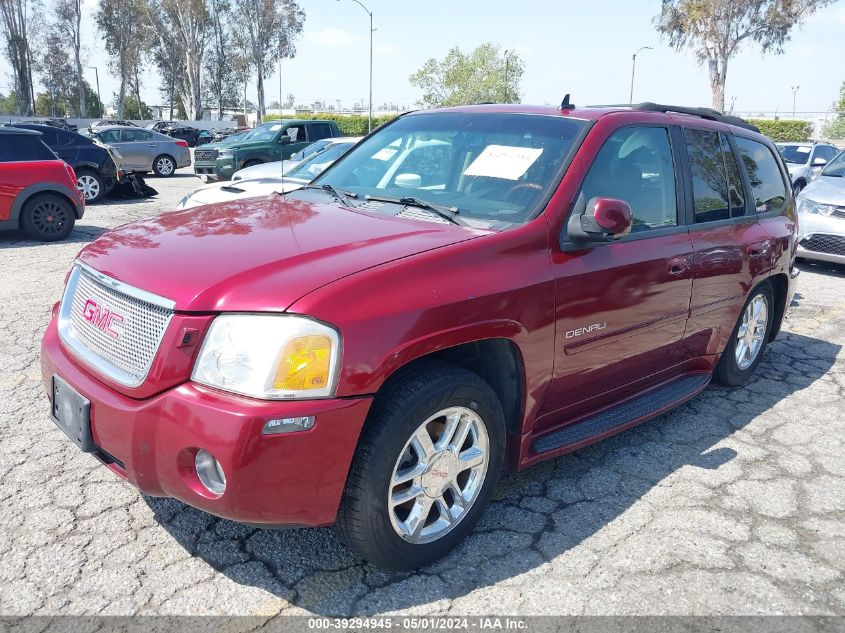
(71, 412)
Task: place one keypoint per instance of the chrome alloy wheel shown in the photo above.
(165, 166)
(438, 475)
(752, 330)
(89, 186)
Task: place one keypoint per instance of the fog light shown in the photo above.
(288, 425)
(210, 472)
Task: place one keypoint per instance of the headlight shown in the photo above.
(805, 205)
(226, 153)
(274, 357)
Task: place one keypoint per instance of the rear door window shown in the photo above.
(635, 165)
(767, 184)
(23, 147)
(135, 136)
(716, 185)
(321, 130)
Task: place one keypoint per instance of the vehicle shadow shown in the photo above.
(828, 269)
(537, 515)
(81, 234)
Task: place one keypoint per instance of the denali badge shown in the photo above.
(102, 318)
(586, 329)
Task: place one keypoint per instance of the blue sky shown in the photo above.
(582, 48)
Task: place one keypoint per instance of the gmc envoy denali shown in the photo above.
(467, 290)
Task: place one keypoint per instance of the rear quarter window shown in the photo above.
(767, 184)
(18, 148)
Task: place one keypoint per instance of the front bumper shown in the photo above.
(221, 169)
(822, 238)
(285, 479)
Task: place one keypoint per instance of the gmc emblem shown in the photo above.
(102, 318)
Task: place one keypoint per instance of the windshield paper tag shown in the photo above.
(503, 161)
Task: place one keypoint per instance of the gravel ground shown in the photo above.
(732, 504)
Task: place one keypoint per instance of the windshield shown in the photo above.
(795, 154)
(316, 164)
(496, 167)
(315, 147)
(836, 167)
(266, 132)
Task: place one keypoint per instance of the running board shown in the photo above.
(640, 408)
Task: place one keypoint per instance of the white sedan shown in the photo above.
(279, 167)
(293, 179)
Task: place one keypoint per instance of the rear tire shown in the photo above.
(91, 184)
(462, 418)
(164, 166)
(749, 338)
(47, 217)
(798, 187)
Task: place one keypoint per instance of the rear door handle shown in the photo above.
(676, 265)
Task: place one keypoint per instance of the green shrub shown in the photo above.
(834, 129)
(783, 130)
(349, 124)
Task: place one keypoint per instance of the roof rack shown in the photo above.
(704, 113)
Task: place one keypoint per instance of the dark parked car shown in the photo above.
(174, 130)
(103, 122)
(59, 123)
(95, 168)
(37, 191)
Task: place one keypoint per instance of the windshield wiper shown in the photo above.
(447, 213)
(341, 195)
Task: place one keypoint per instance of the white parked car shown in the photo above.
(821, 215)
(296, 178)
(805, 160)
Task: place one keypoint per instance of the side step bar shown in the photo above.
(641, 407)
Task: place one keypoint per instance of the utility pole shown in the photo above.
(99, 99)
(794, 98)
(634, 69)
(370, 13)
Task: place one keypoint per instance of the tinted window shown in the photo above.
(109, 136)
(796, 154)
(635, 165)
(296, 134)
(827, 152)
(716, 185)
(15, 147)
(135, 136)
(310, 149)
(64, 139)
(49, 137)
(316, 164)
(320, 130)
(766, 180)
(836, 167)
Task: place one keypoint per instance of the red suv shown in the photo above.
(38, 192)
(467, 290)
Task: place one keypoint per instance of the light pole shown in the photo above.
(634, 69)
(794, 98)
(370, 13)
(99, 99)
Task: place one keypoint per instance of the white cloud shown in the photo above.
(333, 38)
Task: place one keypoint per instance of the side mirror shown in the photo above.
(818, 161)
(285, 140)
(603, 220)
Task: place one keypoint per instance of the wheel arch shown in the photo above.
(780, 288)
(43, 188)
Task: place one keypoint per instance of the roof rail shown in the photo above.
(704, 113)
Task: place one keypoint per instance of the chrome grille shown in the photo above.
(113, 327)
(205, 155)
(821, 243)
(839, 212)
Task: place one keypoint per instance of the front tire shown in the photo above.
(749, 337)
(164, 166)
(425, 467)
(48, 218)
(798, 187)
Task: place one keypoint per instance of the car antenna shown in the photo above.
(565, 105)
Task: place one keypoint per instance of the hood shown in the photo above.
(258, 254)
(238, 190)
(826, 190)
(265, 170)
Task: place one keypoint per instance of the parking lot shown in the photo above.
(732, 504)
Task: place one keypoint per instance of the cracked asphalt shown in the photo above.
(732, 504)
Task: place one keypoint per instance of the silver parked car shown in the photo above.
(145, 150)
(805, 160)
(821, 215)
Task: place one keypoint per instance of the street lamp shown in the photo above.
(634, 69)
(99, 99)
(794, 98)
(507, 68)
(370, 13)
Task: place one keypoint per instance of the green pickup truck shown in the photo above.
(276, 140)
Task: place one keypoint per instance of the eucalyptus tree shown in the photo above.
(16, 22)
